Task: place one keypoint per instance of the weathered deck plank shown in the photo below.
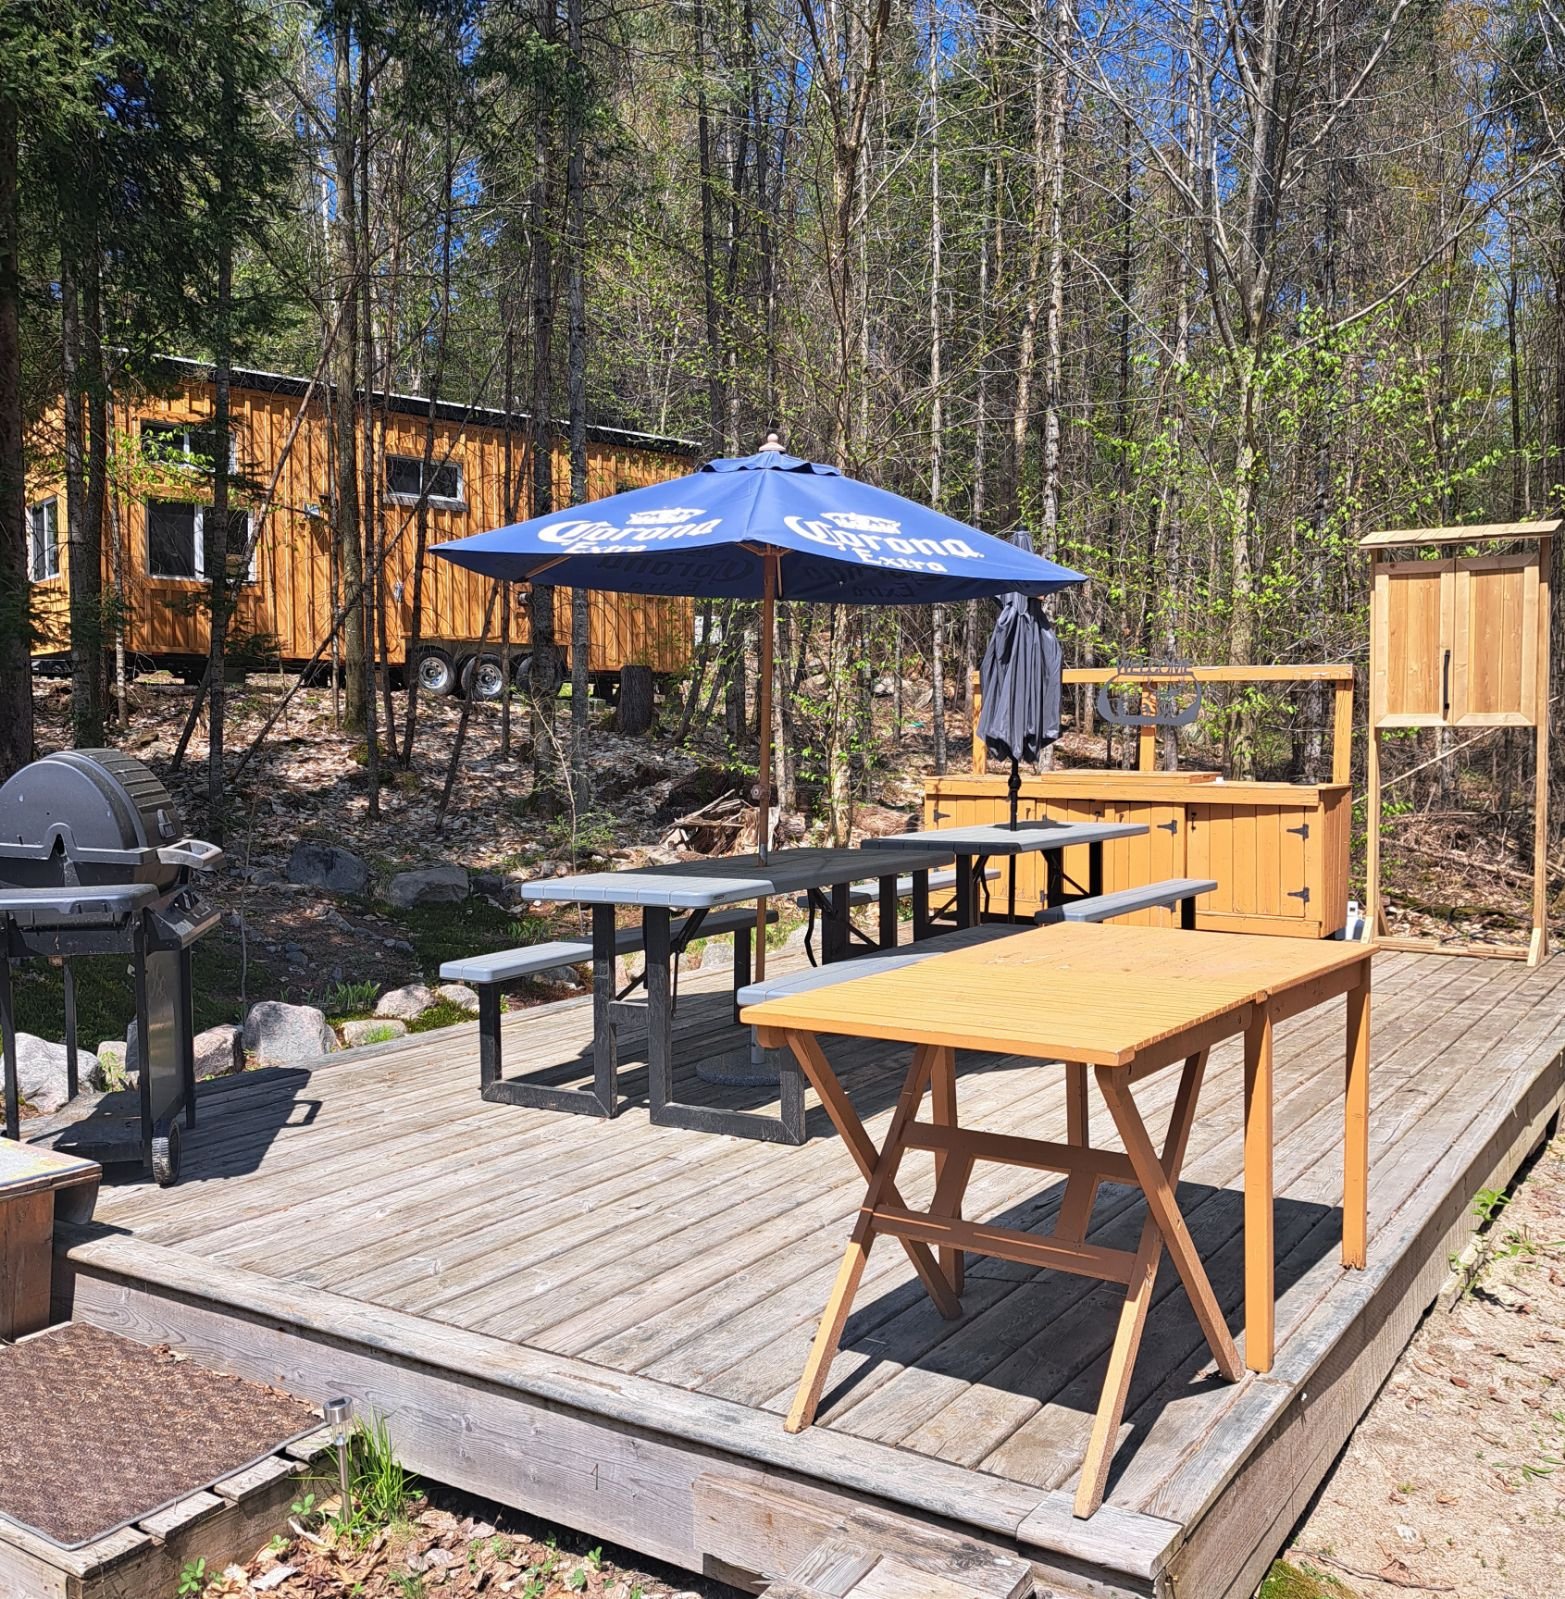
(662, 1286)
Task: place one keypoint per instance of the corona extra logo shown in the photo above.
(640, 530)
(668, 518)
(854, 522)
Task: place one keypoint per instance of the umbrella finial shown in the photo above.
(772, 443)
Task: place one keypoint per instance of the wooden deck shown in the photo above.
(604, 1322)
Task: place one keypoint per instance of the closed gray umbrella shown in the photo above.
(1020, 677)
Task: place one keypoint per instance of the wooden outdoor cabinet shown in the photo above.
(1278, 851)
(1456, 642)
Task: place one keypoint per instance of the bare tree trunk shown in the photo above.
(78, 270)
(1016, 508)
(936, 376)
(16, 678)
(576, 379)
(1053, 377)
(216, 539)
(345, 512)
(542, 685)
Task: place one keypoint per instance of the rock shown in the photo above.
(328, 866)
(458, 994)
(111, 1064)
(296, 955)
(373, 1030)
(405, 1003)
(40, 1071)
(219, 1051)
(491, 883)
(278, 1034)
(429, 885)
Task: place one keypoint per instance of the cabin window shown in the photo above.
(184, 444)
(406, 479)
(176, 539)
(43, 540)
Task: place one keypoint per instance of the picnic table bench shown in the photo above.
(700, 888)
(1126, 1002)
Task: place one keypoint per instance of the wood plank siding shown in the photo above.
(291, 597)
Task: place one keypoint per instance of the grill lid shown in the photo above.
(95, 816)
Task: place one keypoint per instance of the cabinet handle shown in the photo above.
(1445, 687)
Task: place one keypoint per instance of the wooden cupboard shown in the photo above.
(1278, 851)
(1456, 642)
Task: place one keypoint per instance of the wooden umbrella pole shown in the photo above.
(764, 806)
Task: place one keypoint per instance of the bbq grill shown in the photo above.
(93, 862)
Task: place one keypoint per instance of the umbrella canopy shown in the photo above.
(767, 526)
(832, 540)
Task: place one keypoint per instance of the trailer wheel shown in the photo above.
(165, 1156)
(483, 678)
(522, 673)
(436, 674)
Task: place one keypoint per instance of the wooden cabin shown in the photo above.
(154, 526)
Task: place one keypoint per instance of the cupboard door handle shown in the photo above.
(1445, 687)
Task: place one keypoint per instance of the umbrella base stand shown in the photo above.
(746, 1067)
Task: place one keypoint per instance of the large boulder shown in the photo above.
(278, 1034)
(403, 1004)
(328, 866)
(41, 1074)
(429, 885)
(218, 1051)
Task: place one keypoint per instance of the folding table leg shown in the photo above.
(1259, 1241)
(948, 1185)
(1137, 1302)
(881, 1185)
(1164, 1208)
(807, 1051)
(1355, 1140)
(1081, 1187)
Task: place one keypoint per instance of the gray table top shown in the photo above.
(997, 838)
(732, 879)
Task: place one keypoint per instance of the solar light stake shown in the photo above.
(339, 1414)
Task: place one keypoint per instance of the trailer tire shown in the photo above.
(436, 674)
(483, 678)
(522, 672)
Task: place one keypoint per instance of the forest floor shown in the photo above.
(1454, 1481)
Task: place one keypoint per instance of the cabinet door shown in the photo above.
(1495, 644)
(1413, 625)
(1153, 857)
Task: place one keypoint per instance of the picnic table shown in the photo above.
(694, 888)
(1126, 1002)
(975, 845)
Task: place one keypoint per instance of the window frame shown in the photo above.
(164, 427)
(51, 505)
(198, 538)
(450, 502)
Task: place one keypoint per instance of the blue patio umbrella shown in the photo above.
(762, 527)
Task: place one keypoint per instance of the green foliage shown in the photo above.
(192, 1579)
(343, 1001)
(380, 1485)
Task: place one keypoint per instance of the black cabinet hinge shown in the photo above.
(1303, 830)
(1300, 893)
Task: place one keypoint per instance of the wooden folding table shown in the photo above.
(1127, 1002)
